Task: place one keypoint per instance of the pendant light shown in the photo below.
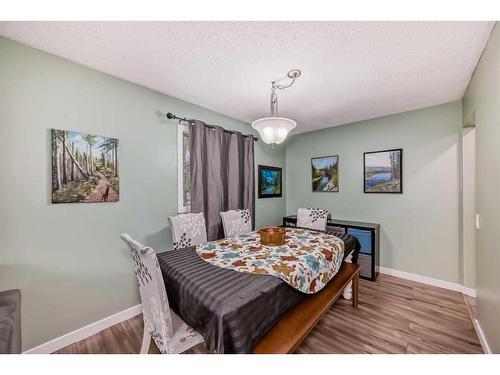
(274, 129)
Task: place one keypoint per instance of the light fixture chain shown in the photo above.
(274, 96)
(282, 87)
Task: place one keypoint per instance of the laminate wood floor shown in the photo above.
(394, 316)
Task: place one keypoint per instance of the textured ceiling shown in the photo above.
(350, 70)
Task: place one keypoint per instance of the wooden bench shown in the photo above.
(296, 324)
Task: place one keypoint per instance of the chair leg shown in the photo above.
(146, 341)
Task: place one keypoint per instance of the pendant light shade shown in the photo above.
(274, 129)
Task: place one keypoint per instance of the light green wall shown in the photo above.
(469, 207)
(482, 101)
(67, 259)
(420, 228)
(69, 262)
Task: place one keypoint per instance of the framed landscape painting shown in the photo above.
(270, 184)
(84, 167)
(383, 171)
(325, 174)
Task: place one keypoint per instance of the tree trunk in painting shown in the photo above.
(53, 165)
(391, 160)
(75, 154)
(75, 161)
(103, 163)
(78, 158)
(394, 165)
(64, 166)
(72, 162)
(91, 162)
(86, 161)
(90, 139)
(56, 173)
(115, 156)
(58, 168)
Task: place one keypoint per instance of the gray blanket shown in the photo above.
(231, 310)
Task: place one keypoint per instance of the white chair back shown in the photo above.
(188, 230)
(156, 311)
(236, 222)
(312, 218)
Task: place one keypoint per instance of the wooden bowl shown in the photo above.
(272, 236)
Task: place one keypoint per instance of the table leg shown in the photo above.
(347, 294)
(355, 287)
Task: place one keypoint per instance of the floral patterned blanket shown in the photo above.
(307, 261)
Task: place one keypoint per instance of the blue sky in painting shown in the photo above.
(81, 144)
(324, 162)
(378, 159)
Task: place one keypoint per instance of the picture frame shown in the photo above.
(84, 167)
(383, 171)
(270, 181)
(325, 174)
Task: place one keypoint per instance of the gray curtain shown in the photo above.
(222, 174)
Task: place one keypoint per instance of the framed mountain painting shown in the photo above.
(383, 171)
(84, 167)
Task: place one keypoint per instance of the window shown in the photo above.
(183, 169)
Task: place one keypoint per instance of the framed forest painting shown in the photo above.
(325, 174)
(84, 167)
(270, 184)
(383, 171)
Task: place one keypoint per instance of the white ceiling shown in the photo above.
(351, 71)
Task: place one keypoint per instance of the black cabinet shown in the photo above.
(368, 235)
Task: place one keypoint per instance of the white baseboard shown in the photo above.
(446, 285)
(469, 292)
(96, 327)
(84, 332)
(481, 336)
(429, 281)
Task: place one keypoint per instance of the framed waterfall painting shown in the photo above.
(383, 171)
(325, 174)
(270, 182)
(84, 167)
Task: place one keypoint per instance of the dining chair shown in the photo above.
(312, 218)
(236, 222)
(169, 332)
(188, 230)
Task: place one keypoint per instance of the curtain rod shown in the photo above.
(171, 116)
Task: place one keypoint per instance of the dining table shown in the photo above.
(232, 310)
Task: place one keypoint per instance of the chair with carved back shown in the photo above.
(188, 230)
(236, 222)
(312, 218)
(169, 332)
